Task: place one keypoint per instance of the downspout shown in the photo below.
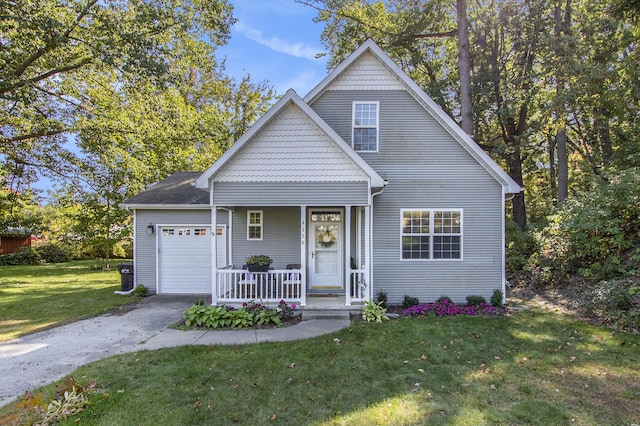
(384, 185)
(229, 235)
(128, 292)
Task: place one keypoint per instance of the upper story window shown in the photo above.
(254, 225)
(431, 234)
(365, 126)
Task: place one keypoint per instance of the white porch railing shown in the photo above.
(358, 286)
(233, 285)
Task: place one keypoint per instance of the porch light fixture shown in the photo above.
(150, 229)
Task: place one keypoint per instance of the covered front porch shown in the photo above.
(331, 263)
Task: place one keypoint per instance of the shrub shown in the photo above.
(476, 300)
(409, 301)
(520, 246)
(53, 253)
(444, 298)
(616, 303)
(249, 314)
(374, 312)
(382, 298)
(497, 297)
(140, 290)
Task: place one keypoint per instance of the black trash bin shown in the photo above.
(126, 276)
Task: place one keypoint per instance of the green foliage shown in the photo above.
(26, 256)
(594, 233)
(140, 290)
(520, 246)
(248, 315)
(259, 259)
(444, 298)
(382, 298)
(476, 300)
(409, 301)
(497, 298)
(616, 303)
(54, 253)
(374, 312)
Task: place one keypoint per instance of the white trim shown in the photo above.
(260, 225)
(340, 252)
(432, 234)
(165, 206)
(303, 254)
(347, 254)
(214, 254)
(290, 97)
(355, 126)
(504, 252)
(429, 104)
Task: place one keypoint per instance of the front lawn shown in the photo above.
(537, 367)
(37, 297)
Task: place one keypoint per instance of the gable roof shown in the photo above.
(290, 98)
(174, 191)
(369, 46)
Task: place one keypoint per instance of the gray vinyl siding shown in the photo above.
(280, 238)
(426, 169)
(145, 245)
(290, 193)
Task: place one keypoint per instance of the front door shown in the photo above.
(325, 250)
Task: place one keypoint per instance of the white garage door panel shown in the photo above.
(184, 261)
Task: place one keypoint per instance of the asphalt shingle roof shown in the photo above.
(174, 189)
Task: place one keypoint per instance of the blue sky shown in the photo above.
(275, 41)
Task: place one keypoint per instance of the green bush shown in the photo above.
(409, 301)
(140, 290)
(249, 314)
(374, 312)
(497, 297)
(476, 300)
(444, 298)
(616, 303)
(594, 233)
(382, 298)
(520, 246)
(53, 253)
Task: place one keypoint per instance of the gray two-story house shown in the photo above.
(364, 185)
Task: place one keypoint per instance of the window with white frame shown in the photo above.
(431, 234)
(254, 225)
(365, 126)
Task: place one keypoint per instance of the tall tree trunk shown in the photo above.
(518, 205)
(604, 135)
(464, 67)
(563, 166)
(552, 169)
(562, 25)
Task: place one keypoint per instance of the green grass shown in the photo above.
(537, 367)
(37, 297)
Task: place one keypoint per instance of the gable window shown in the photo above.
(365, 126)
(254, 225)
(431, 234)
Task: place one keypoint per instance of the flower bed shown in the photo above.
(445, 308)
(250, 315)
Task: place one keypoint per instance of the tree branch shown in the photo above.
(22, 83)
(42, 134)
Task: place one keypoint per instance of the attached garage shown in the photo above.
(184, 258)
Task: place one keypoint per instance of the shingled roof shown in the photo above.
(174, 190)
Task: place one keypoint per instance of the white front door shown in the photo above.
(325, 250)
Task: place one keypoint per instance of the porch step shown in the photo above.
(315, 314)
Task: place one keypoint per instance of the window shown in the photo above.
(254, 225)
(431, 234)
(365, 126)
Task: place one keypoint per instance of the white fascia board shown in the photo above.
(166, 206)
(429, 104)
(291, 96)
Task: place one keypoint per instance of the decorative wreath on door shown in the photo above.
(326, 237)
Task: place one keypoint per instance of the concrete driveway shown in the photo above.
(37, 359)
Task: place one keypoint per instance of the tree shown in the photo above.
(49, 48)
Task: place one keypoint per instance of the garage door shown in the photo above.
(184, 259)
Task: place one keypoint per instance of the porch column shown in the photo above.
(347, 257)
(214, 254)
(303, 255)
(367, 251)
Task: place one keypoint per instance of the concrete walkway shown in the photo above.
(40, 358)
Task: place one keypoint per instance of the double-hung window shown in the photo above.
(431, 234)
(254, 224)
(365, 126)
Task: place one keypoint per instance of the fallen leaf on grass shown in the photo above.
(492, 387)
(420, 370)
(273, 417)
(465, 384)
(197, 404)
(292, 365)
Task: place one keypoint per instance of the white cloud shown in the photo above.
(301, 83)
(298, 50)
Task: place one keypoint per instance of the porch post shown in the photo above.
(214, 254)
(367, 250)
(347, 257)
(303, 255)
